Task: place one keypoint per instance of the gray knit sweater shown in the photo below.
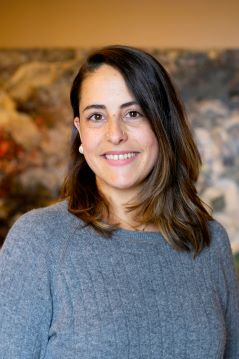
(66, 292)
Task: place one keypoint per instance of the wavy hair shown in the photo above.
(168, 198)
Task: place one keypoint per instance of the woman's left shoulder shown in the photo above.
(220, 251)
(218, 236)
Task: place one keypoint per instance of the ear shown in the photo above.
(77, 123)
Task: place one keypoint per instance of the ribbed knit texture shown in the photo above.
(66, 292)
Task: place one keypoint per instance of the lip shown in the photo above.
(122, 162)
(119, 152)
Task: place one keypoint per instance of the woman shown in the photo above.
(130, 264)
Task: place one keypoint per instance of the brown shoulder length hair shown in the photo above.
(168, 198)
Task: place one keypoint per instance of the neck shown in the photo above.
(118, 214)
(118, 200)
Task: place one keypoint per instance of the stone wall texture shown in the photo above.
(35, 126)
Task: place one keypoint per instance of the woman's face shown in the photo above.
(119, 144)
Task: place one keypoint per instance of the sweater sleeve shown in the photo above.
(25, 296)
(232, 297)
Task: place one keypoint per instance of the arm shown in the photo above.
(232, 297)
(25, 298)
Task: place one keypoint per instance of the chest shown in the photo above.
(122, 303)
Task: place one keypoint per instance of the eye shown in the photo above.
(95, 117)
(133, 114)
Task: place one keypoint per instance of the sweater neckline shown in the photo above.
(126, 233)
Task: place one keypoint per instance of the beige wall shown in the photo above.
(147, 23)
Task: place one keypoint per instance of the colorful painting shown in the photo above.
(35, 126)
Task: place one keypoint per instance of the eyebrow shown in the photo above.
(103, 107)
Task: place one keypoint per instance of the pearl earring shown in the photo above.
(81, 150)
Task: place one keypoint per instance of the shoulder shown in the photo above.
(42, 219)
(219, 238)
(219, 251)
(55, 216)
(222, 265)
(44, 230)
(45, 215)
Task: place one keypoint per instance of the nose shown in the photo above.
(115, 132)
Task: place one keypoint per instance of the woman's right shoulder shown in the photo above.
(46, 229)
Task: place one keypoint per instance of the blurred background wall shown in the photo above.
(42, 45)
(147, 23)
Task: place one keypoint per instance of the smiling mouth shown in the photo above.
(124, 156)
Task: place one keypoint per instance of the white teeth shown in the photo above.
(120, 157)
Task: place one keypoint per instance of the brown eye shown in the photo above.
(133, 114)
(95, 117)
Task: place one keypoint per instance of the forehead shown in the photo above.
(105, 81)
(102, 71)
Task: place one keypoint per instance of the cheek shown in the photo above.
(148, 139)
(88, 140)
(91, 145)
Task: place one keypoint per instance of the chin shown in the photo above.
(125, 186)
